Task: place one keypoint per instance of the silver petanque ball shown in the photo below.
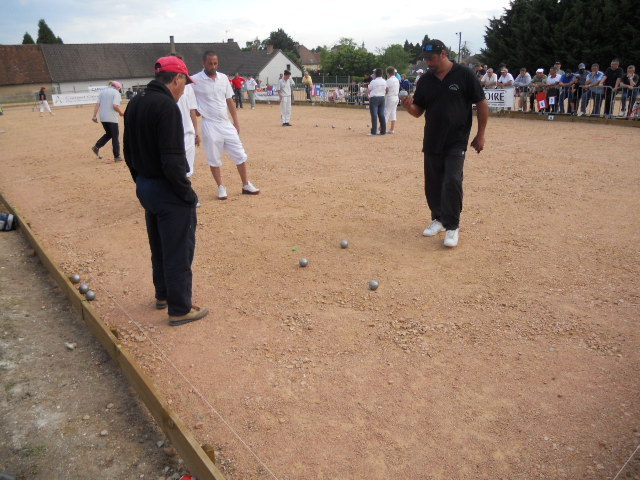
(91, 295)
(304, 262)
(373, 285)
(344, 244)
(333, 126)
(75, 278)
(84, 288)
(403, 94)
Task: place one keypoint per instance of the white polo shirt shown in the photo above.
(187, 103)
(394, 87)
(251, 84)
(377, 87)
(212, 94)
(107, 98)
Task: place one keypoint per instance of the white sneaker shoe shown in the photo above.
(451, 238)
(222, 192)
(249, 189)
(433, 229)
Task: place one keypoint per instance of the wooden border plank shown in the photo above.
(194, 456)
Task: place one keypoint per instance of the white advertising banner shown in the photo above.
(65, 99)
(265, 97)
(499, 97)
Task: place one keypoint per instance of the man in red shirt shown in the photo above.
(237, 82)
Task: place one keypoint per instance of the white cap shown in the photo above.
(420, 71)
(540, 70)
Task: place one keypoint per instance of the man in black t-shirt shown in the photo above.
(611, 80)
(445, 94)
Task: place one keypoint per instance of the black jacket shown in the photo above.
(154, 140)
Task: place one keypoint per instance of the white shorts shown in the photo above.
(190, 150)
(219, 137)
(390, 108)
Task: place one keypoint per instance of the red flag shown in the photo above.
(542, 100)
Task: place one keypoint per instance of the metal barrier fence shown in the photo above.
(601, 101)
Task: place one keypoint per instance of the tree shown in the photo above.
(27, 39)
(45, 34)
(279, 39)
(536, 33)
(347, 60)
(253, 45)
(394, 56)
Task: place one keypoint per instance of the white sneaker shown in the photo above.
(433, 229)
(222, 192)
(451, 238)
(249, 189)
(391, 132)
(198, 205)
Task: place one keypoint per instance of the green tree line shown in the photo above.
(45, 35)
(537, 33)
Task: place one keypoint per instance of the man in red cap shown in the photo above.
(108, 105)
(155, 154)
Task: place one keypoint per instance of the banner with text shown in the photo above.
(499, 97)
(65, 99)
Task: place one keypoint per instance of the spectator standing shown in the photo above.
(522, 82)
(215, 102)
(405, 83)
(188, 107)
(285, 87)
(552, 90)
(629, 86)
(44, 104)
(108, 105)
(480, 72)
(251, 91)
(506, 79)
(558, 67)
(377, 90)
(445, 96)
(567, 92)
(592, 89)
(154, 152)
(490, 79)
(391, 100)
(581, 76)
(237, 82)
(308, 83)
(538, 83)
(611, 81)
(419, 73)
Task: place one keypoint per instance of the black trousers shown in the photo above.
(110, 133)
(443, 186)
(171, 228)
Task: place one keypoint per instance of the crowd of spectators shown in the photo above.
(568, 92)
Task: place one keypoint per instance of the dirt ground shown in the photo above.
(66, 411)
(513, 356)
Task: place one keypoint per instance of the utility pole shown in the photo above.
(459, 44)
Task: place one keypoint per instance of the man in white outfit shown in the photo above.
(215, 101)
(285, 87)
(188, 106)
(391, 99)
(251, 91)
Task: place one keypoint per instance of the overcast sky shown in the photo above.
(309, 23)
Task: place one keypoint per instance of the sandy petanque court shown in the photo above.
(513, 356)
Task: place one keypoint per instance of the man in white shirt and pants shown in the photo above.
(251, 91)
(215, 102)
(188, 106)
(391, 99)
(285, 87)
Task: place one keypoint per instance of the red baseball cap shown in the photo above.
(173, 65)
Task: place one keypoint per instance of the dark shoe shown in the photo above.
(95, 150)
(161, 304)
(196, 313)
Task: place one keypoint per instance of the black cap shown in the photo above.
(434, 47)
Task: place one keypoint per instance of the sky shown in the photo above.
(309, 23)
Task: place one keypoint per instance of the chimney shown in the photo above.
(269, 49)
(229, 40)
(172, 50)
